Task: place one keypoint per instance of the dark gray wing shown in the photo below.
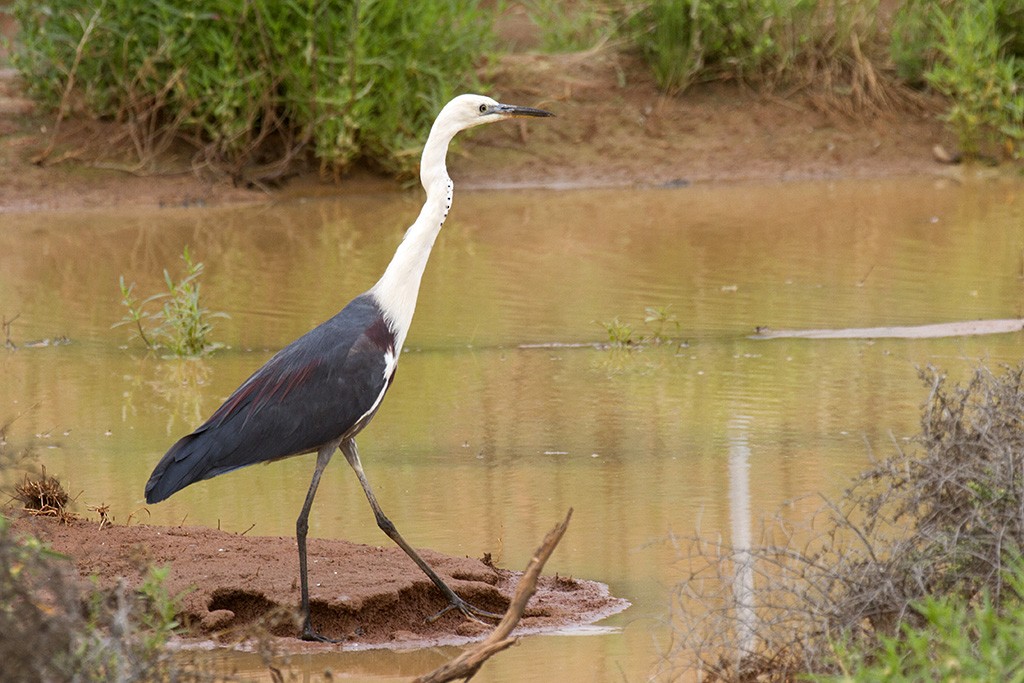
(322, 386)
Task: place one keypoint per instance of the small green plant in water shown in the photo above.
(656, 319)
(181, 326)
(620, 334)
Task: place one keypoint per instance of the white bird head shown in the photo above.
(466, 111)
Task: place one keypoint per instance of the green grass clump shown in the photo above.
(980, 77)
(571, 26)
(957, 641)
(257, 82)
(686, 40)
(763, 42)
(181, 326)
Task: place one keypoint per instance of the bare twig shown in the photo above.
(469, 662)
(62, 110)
(6, 324)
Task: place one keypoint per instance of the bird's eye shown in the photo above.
(483, 108)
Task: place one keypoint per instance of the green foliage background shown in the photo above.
(260, 80)
(268, 83)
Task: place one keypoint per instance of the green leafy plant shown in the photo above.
(620, 334)
(956, 640)
(181, 326)
(259, 85)
(981, 80)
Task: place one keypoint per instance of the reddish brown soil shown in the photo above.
(364, 595)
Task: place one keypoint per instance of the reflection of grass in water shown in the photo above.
(175, 388)
(180, 386)
(6, 325)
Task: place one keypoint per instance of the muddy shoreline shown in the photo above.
(365, 596)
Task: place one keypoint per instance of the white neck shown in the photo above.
(398, 287)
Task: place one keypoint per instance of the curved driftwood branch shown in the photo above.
(469, 662)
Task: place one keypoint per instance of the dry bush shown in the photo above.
(945, 519)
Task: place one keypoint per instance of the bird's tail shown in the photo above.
(185, 463)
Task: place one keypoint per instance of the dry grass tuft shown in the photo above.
(45, 496)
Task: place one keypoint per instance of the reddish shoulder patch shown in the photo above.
(380, 334)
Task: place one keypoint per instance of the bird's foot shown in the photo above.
(309, 635)
(468, 610)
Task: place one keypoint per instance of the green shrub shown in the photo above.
(980, 78)
(53, 630)
(958, 641)
(261, 81)
(38, 634)
(688, 40)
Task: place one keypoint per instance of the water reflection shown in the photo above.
(482, 445)
(739, 523)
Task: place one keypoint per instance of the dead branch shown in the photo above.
(65, 99)
(469, 662)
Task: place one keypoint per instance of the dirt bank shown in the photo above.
(613, 128)
(366, 596)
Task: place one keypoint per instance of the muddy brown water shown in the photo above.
(482, 444)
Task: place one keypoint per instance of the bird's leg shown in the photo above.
(348, 447)
(323, 457)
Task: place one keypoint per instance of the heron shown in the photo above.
(317, 393)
